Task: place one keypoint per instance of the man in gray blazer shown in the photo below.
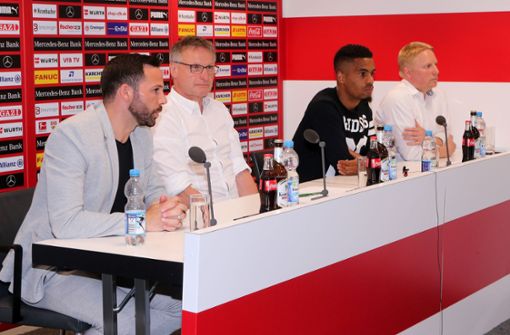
(80, 194)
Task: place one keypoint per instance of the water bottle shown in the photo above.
(134, 210)
(480, 125)
(385, 157)
(389, 143)
(428, 156)
(290, 160)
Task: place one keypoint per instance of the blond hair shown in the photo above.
(409, 52)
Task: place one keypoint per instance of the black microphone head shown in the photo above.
(197, 155)
(440, 120)
(311, 136)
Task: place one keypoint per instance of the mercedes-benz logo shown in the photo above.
(69, 11)
(223, 57)
(204, 17)
(7, 61)
(10, 181)
(270, 57)
(138, 14)
(254, 19)
(255, 107)
(160, 57)
(94, 59)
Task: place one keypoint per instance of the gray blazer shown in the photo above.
(76, 190)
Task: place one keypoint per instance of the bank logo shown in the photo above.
(186, 30)
(204, 30)
(94, 28)
(160, 29)
(10, 113)
(49, 109)
(238, 18)
(10, 78)
(13, 163)
(69, 28)
(186, 16)
(71, 60)
(221, 17)
(94, 12)
(44, 27)
(139, 29)
(44, 11)
(13, 129)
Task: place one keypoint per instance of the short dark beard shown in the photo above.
(142, 114)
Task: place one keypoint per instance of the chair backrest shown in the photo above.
(14, 206)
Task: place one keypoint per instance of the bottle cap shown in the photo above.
(480, 114)
(289, 144)
(473, 112)
(134, 173)
(428, 132)
(388, 127)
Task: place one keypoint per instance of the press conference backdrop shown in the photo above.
(468, 36)
(52, 54)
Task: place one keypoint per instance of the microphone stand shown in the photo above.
(207, 165)
(448, 162)
(324, 192)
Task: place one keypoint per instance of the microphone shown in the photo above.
(440, 120)
(312, 137)
(198, 156)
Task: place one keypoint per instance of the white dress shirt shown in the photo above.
(181, 126)
(403, 106)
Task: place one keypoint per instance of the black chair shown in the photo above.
(14, 206)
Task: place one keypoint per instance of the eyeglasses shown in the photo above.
(197, 68)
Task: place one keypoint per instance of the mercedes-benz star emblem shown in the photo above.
(270, 57)
(69, 11)
(160, 57)
(7, 61)
(138, 14)
(94, 59)
(223, 57)
(204, 17)
(254, 19)
(10, 180)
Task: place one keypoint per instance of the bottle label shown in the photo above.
(293, 191)
(385, 170)
(268, 185)
(393, 168)
(470, 142)
(374, 163)
(426, 165)
(282, 193)
(135, 222)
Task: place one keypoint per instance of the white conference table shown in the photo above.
(229, 271)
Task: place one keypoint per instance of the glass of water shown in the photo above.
(199, 217)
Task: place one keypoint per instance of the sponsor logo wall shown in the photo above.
(245, 34)
(52, 57)
(12, 99)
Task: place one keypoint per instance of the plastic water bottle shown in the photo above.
(429, 150)
(389, 143)
(290, 160)
(480, 125)
(134, 210)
